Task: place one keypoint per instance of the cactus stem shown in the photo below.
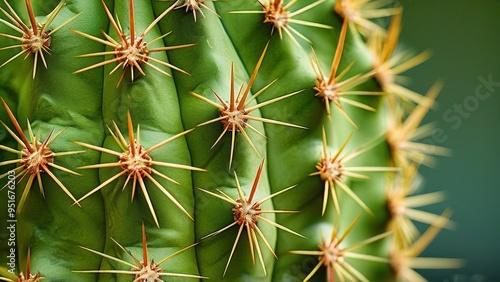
(35, 40)
(247, 214)
(143, 270)
(130, 51)
(137, 164)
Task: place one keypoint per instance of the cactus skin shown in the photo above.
(71, 243)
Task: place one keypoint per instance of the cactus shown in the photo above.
(232, 140)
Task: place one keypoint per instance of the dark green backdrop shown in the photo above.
(464, 37)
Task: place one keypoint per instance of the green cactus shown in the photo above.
(232, 140)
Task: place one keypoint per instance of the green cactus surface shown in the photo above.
(238, 140)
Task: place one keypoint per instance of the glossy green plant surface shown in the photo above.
(218, 121)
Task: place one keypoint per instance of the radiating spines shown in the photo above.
(235, 114)
(248, 214)
(137, 165)
(404, 261)
(141, 269)
(389, 64)
(335, 88)
(335, 257)
(361, 13)
(131, 51)
(34, 38)
(333, 170)
(404, 207)
(404, 132)
(35, 158)
(278, 14)
(194, 6)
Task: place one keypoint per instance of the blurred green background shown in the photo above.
(464, 37)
